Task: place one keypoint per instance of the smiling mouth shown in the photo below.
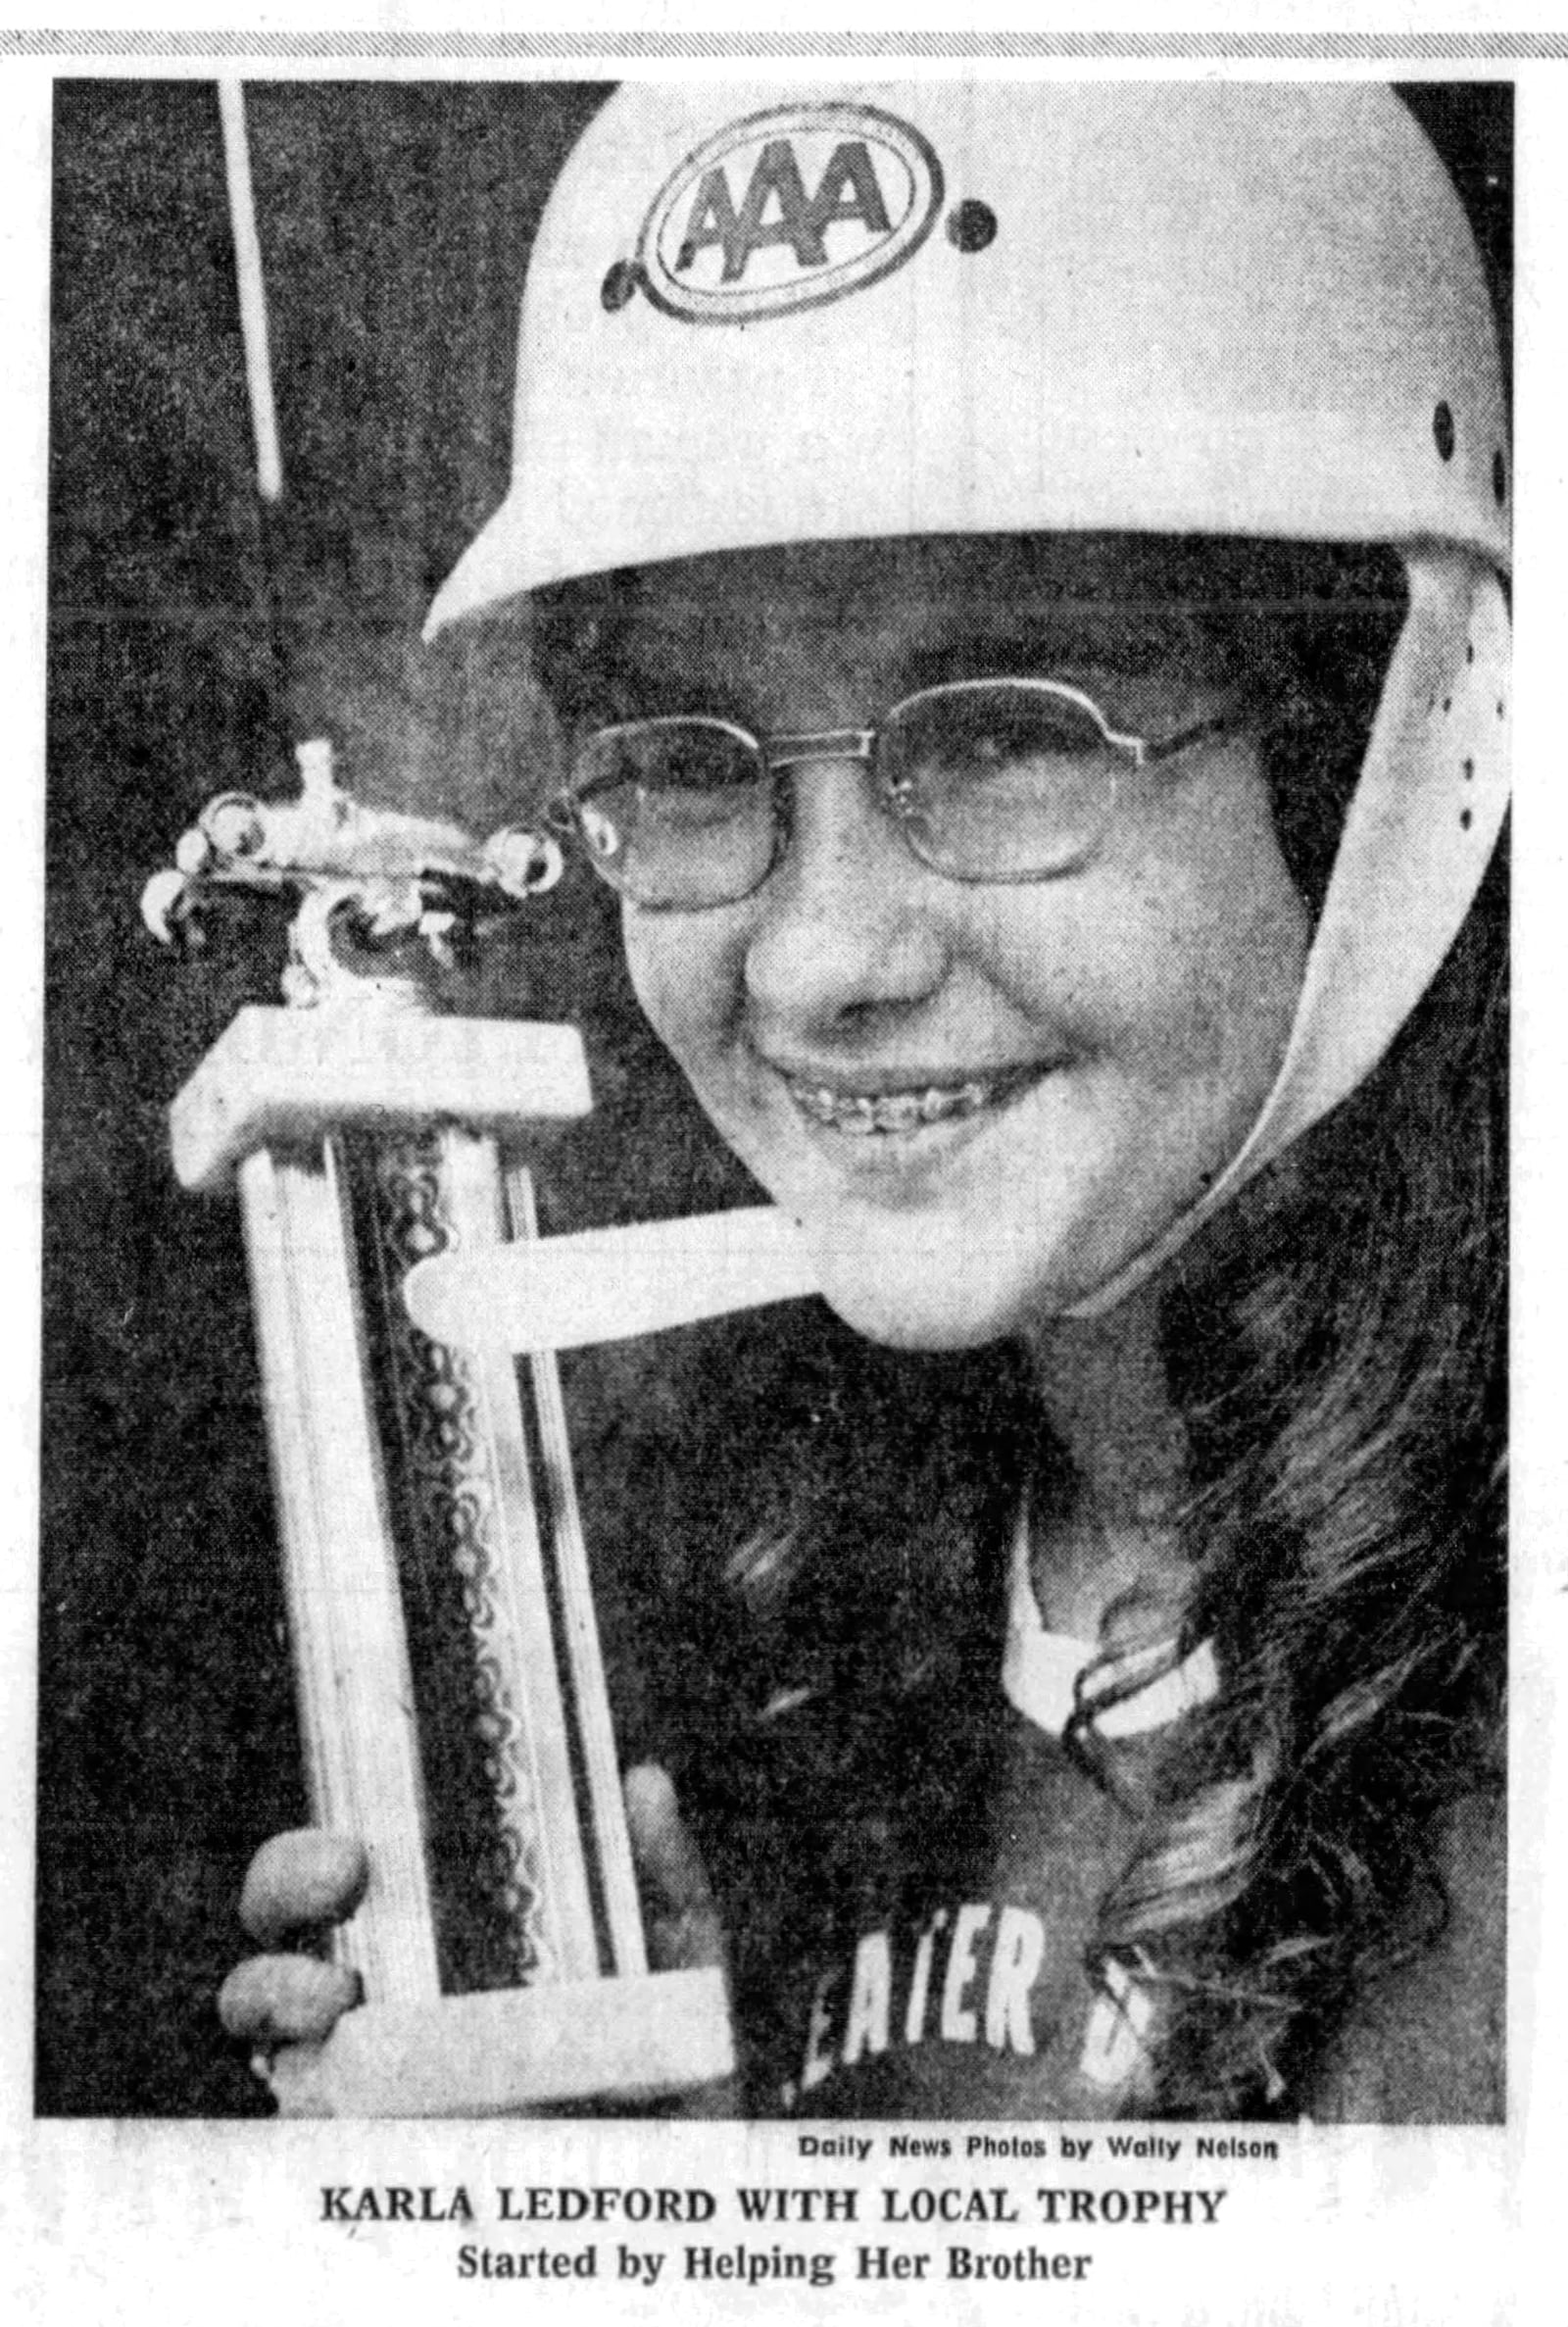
(900, 1114)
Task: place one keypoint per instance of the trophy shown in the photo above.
(451, 1689)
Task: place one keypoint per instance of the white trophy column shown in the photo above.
(345, 1615)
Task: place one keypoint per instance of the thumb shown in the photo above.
(684, 1933)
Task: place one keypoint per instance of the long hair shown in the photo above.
(1335, 1345)
(1338, 1351)
(1336, 1348)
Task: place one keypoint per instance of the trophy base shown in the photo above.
(514, 2051)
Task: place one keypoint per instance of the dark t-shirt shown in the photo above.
(935, 1952)
(960, 1988)
(913, 1935)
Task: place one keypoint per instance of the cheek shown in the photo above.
(1175, 973)
(1204, 961)
(686, 972)
(1206, 991)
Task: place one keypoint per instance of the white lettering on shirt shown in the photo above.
(1014, 1967)
(870, 1999)
(921, 1979)
(958, 2024)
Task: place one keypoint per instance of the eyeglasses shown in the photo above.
(985, 779)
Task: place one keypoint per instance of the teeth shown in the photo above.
(895, 1113)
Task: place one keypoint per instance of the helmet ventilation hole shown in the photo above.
(1443, 431)
(972, 227)
(1469, 772)
(1500, 477)
(1466, 820)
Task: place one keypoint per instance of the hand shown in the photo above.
(310, 1880)
(680, 1916)
(297, 1883)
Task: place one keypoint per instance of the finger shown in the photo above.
(274, 2000)
(302, 1879)
(684, 1931)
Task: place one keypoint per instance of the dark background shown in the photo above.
(190, 646)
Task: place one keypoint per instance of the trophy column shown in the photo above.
(452, 1699)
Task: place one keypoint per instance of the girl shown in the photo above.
(1018, 571)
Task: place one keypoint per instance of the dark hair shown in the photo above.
(1336, 1348)
(1309, 625)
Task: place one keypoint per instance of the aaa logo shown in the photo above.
(788, 209)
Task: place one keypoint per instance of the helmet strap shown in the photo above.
(1419, 834)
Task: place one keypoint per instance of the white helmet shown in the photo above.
(756, 317)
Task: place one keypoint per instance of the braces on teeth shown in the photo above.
(901, 1110)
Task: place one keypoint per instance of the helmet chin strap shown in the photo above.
(1418, 837)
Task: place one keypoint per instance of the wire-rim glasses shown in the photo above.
(985, 780)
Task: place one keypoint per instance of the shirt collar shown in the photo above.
(1041, 1669)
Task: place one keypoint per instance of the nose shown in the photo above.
(848, 926)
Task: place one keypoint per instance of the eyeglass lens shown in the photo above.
(677, 812)
(993, 779)
(999, 780)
